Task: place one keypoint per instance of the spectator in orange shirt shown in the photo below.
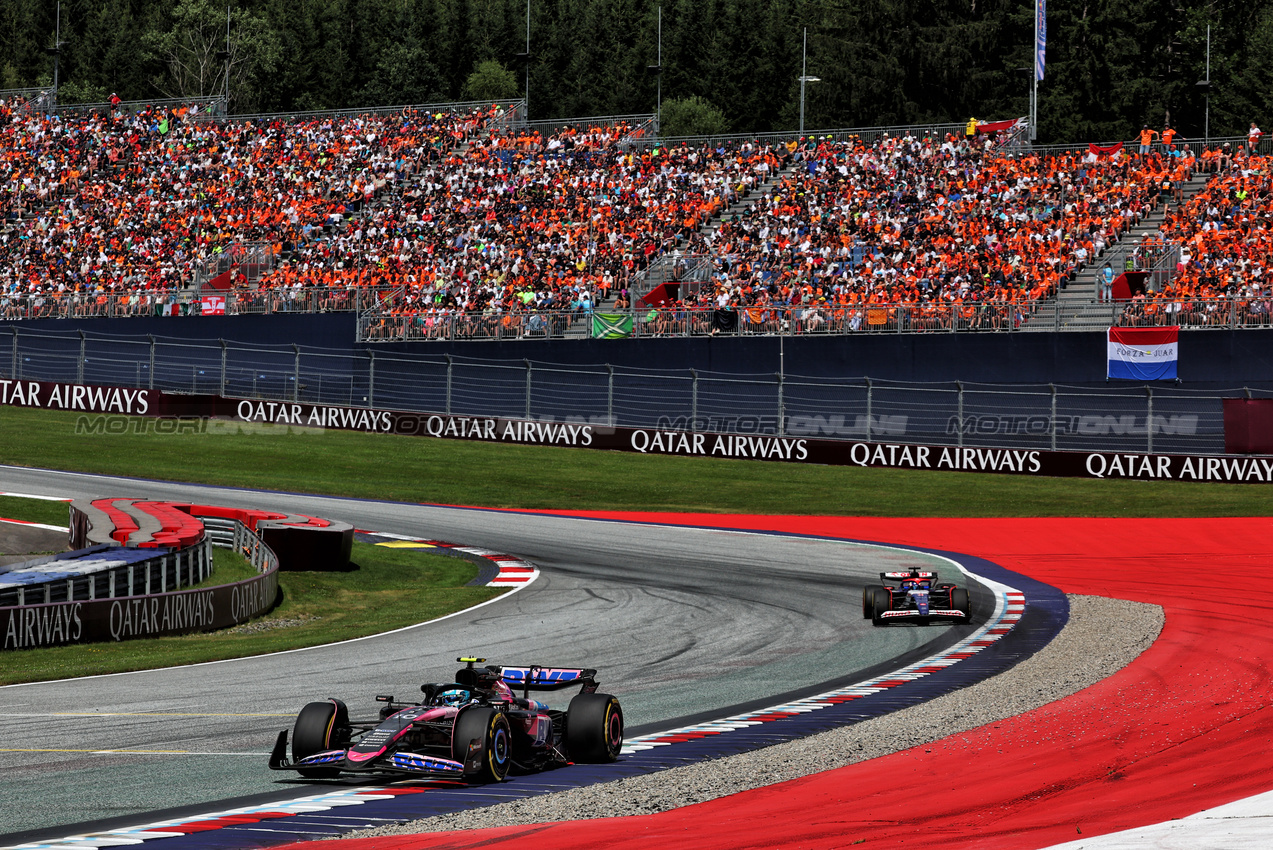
(1146, 139)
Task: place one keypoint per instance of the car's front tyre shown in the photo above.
(960, 601)
(881, 601)
(490, 727)
(319, 727)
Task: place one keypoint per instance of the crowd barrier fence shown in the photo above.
(1111, 417)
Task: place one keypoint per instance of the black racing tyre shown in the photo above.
(594, 728)
(881, 601)
(320, 726)
(868, 600)
(960, 602)
(490, 726)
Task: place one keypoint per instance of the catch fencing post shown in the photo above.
(693, 397)
(1052, 387)
(1149, 420)
(79, 367)
(223, 361)
(528, 371)
(609, 394)
(449, 368)
(371, 378)
(782, 416)
(959, 414)
(13, 371)
(296, 373)
(869, 399)
(151, 377)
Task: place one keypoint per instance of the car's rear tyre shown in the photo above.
(489, 726)
(320, 726)
(594, 728)
(881, 601)
(960, 602)
(868, 600)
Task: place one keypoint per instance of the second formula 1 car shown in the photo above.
(474, 729)
(917, 595)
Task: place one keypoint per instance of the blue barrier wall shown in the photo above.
(1208, 359)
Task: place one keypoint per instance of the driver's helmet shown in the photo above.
(453, 696)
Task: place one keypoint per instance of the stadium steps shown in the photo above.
(760, 190)
(1075, 308)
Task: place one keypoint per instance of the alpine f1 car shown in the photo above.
(917, 596)
(475, 729)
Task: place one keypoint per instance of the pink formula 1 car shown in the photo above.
(474, 729)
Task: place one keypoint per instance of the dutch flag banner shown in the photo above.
(1142, 354)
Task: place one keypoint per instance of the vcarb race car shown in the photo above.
(918, 597)
(474, 729)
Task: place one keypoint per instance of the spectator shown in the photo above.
(1146, 139)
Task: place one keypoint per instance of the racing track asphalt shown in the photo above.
(679, 622)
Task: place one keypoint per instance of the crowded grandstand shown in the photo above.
(465, 221)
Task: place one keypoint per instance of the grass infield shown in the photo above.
(390, 588)
(456, 472)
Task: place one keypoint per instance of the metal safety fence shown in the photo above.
(1118, 417)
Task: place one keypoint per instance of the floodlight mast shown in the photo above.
(804, 75)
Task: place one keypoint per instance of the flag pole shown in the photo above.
(1040, 39)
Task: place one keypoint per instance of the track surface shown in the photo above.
(1181, 729)
(679, 621)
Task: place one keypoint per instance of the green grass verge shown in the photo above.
(390, 589)
(419, 469)
(228, 566)
(34, 510)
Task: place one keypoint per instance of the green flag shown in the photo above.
(611, 325)
(163, 125)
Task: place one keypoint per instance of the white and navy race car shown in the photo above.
(474, 729)
(914, 595)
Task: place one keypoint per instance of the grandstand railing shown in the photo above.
(385, 314)
(549, 125)
(1198, 313)
(211, 106)
(1132, 147)
(145, 302)
(865, 134)
(457, 107)
(511, 112)
(1117, 417)
(33, 99)
(250, 259)
(689, 270)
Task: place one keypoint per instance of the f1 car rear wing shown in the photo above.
(911, 574)
(533, 677)
(536, 678)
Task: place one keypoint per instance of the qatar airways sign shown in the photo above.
(157, 615)
(597, 433)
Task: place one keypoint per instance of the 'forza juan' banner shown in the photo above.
(210, 413)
